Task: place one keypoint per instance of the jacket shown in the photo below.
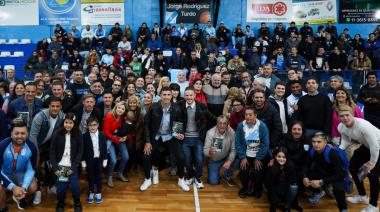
(78, 111)
(241, 143)
(228, 149)
(203, 118)
(41, 125)
(26, 163)
(110, 126)
(19, 105)
(3, 126)
(153, 117)
(88, 149)
(273, 102)
(57, 147)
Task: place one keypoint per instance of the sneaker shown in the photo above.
(358, 199)
(122, 177)
(90, 198)
(37, 198)
(146, 184)
(370, 208)
(98, 198)
(21, 204)
(230, 182)
(110, 182)
(183, 185)
(155, 177)
(316, 197)
(199, 183)
(190, 181)
(243, 193)
(52, 190)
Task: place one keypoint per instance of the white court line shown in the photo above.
(196, 198)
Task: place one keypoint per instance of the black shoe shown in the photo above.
(21, 204)
(243, 193)
(59, 209)
(4, 209)
(297, 208)
(286, 209)
(77, 207)
(230, 182)
(257, 194)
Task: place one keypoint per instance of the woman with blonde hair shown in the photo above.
(233, 93)
(164, 83)
(112, 122)
(341, 97)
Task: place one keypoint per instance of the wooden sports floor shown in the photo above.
(167, 196)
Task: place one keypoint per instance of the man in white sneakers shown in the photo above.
(158, 123)
(365, 160)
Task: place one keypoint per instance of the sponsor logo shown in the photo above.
(278, 8)
(58, 6)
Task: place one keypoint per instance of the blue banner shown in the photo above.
(64, 12)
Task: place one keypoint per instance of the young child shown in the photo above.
(95, 158)
(281, 181)
(66, 150)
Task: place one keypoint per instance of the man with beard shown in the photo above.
(107, 104)
(67, 101)
(369, 95)
(269, 78)
(97, 89)
(216, 94)
(295, 95)
(84, 111)
(79, 87)
(270, 116)
(246, 84)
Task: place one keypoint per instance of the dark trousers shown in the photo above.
(174, 146)
(94, 170)
(285, 194)
(44, 174)
(373, 119)
(361, 156)
(62, 187)
(256, 176)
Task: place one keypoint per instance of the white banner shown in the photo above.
(18, 12)
(315, 12)
(102, 13)
(269, 11)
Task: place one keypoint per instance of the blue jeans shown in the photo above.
(193, 152)
(74, 185)
(122, 148)
(214, 170)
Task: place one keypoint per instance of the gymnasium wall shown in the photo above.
(138, 11)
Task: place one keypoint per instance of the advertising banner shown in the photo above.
(18, 12)
(314, 12)
(269, 11)
(64, 12)
(102, 1)
(359, 11)
(190, 11)
(102, 13)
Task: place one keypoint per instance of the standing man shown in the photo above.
(158, 124)
(216, 94)
(365, 159)
(18, 163)
(196, 119)
(369, 95)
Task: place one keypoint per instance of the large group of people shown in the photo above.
(105, 102)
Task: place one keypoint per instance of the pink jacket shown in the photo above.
(336, 121)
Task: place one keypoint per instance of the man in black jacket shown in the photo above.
(196, 121)
(369, 95)
(279, 101)
(267, 113)
(84, 111)
(159, 122)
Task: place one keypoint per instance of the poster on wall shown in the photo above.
(314, 12)
(64, 12)
(27, 12)
(269, 11)
(190, 11)
(102, 13)
(359, 11)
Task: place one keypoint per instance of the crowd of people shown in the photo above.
(105, 102)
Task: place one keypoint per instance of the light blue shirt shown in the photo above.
(210, 31)
(165, 131)
(107, 59)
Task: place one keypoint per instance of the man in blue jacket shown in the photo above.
(252, 146)
(18, 159)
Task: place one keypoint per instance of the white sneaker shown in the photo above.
(189, 181)
(358, 199)
(183, 185)
(146, 184)
(370, 208)
(155, 177)
(52, 190)
(199, 183)
(37, 198)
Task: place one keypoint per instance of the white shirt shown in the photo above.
(95, 143)
(282, 116)
(52, 125)
(362, 132)
(65, 161)
(292, 100)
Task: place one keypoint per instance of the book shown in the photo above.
(217, 143)
(24, 116)
(177, 128)
(63, 174)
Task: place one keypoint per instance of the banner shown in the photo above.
(314, 12)
(190, 11)
(18, 12)
(64, 12)
(102, 1)
(269, 11)
(359, 11)
(102, 13)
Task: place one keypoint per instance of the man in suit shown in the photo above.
(84, 111)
